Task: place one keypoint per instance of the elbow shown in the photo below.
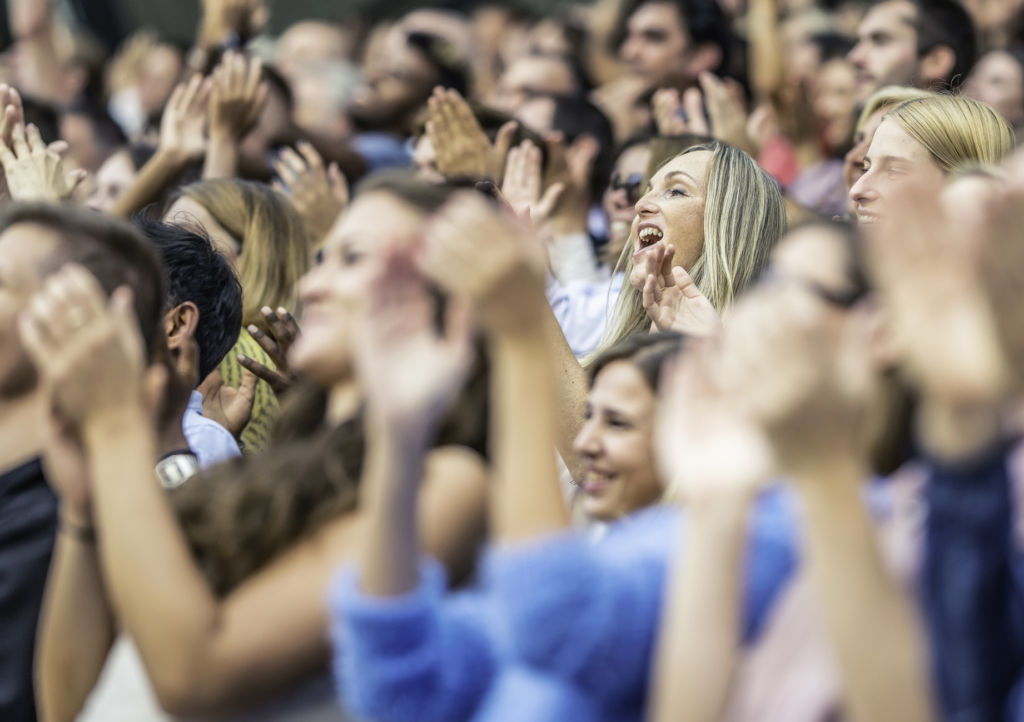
(189, 692)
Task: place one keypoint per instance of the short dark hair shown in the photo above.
(704, 21)
(107, 133)
(946, 22)
(578, 116)
(196, 272)
(111, 249)
(452, 70)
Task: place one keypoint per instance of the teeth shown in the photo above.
(650, 235)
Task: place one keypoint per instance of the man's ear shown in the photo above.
(937, 65)
(703, 58)
(180, 324)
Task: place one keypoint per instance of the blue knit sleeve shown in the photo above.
(421, 657)
(589, 613)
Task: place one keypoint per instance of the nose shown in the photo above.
(628, 51)
(312, 284)
(863, 190)
(856, 55)
(587, 442)
(646, 205)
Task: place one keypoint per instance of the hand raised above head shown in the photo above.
(490, 260)
(34, 171)
(409, 370)
(319, 195)
(237, 96)
(182, 127)
(460, 143)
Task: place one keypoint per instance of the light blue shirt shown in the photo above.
(582, 308)
(208, 440)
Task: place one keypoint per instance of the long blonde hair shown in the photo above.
(744, 215)
(275, 246)
(956, 131)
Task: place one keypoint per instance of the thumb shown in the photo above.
(74, 179)
(684, 281)
(338, 183)
(549, 199)
(211, 384)
(503, 140)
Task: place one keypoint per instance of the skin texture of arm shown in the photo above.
(152, 178)
(75, 632)
(871, 621)
(570, 392)
(203, 654)
(526, 502)
(221, 157)
(701, 627)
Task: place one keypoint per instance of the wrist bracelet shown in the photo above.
(85, 533)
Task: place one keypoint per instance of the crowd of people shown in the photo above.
(629, 360)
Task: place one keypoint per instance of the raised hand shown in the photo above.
(706, 444)
(1002, 263)
(284, 330)
(182, 128)
(674, 303)
(726, 117)
(523, 186)
(488, 259)
(460, 144)
(228, 406)
(34, 171)
(237, 96)
(318, 195)
(925, 265)
(88, 352)
(802, 371)
(409, 371)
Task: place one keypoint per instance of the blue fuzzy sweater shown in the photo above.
(558, 629)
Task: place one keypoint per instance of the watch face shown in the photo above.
(176, 470)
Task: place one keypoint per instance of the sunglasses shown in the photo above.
(633, 184)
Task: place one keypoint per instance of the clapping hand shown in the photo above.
(671, 298)
(409, 370)
(318, 194)
(182, 127)
(502, 279)
(523, 187)
(34, 171)
(283, 331)
(237, 96)
(460, 144)
(228, 406)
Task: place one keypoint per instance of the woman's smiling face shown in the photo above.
(671, 212)
(332, 293)
(615, 444)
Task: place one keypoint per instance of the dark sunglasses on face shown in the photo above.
(633, 184)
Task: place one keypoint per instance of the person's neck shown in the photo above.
(342, 402)
(21, 430)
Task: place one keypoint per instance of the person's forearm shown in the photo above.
(527, 500)
(570, 393)
(76, 629)
(701, 629)
(221, 157)
(766, 56)
(160, 595)
(394, 467)
(153, 177)
(875, 633)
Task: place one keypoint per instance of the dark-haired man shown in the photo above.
(668, 43)
(922, 43)
(202, 319)
(35, 241)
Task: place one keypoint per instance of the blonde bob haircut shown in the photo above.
(887, 97)
(956, 131)
(276, 248)
(744, 215)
